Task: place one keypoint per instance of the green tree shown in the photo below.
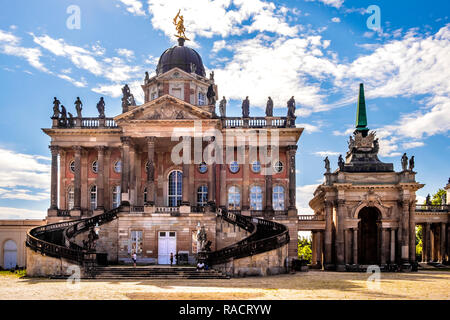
(438, 197)
(304, 249)
(419, 242)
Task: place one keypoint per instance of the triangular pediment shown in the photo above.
(176, 73)
(166, 107)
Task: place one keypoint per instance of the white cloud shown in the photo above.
(413, 144)
(332, 3)
(336, 19)
(304, 194)
(76, 83)
(125, 53)
(207, 18)
(326, 153)
(7, 213)
(309, 128)
(134, 7)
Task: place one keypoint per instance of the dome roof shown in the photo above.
(181, 57)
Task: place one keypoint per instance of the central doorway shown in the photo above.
(368, 237)
(167, 244)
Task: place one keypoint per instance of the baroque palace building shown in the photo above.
(171, 176)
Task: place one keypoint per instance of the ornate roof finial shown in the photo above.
(361, 115)
(178, 21)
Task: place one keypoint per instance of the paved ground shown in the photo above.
(307, 285)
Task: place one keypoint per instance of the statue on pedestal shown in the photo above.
(201, 239)
(428, 200)
(404, 162)
(63, 115)
(411, 163)
(327, 164)
(78, 107)
(246, 108)
(147, 77)
(56, 111)
(71, 121)
(223, 107)
(341, 163)
(101, 108)
(211, 95)
(291, 107)
(269, 107)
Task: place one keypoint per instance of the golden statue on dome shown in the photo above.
(178, 21)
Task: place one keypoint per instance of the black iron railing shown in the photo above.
(54, 239)
(264, 236)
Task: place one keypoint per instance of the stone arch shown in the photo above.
(384, 211)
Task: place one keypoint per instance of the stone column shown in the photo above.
(314, 248)
(319, 248)
(328, 239)
(54, 178)
(348, 246)
(442, 244)
(100, 177)
(132, 182)
(405, 232)
(151, 171)
(392, 245)
(384, 244)
(77, 180)
(185, 189)
(412, 231)
(292, 149)
(245, 180)
(355, 246)
(125, 172)
(340, 259)
(223, 185)
(427, 245)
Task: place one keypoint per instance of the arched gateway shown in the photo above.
(368, 209)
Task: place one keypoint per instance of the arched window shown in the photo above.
(234, 167)
(234, 198)
(116, 197)
(175, 188)
(145, 195)
(278, 198)
(9, 254)
(118, 166)
(93, 197)
(256, 198)
(72, 166)
(202, 196)
(95, 166)
(70, 198)
(256, 166)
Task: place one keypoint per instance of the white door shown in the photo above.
(10, 254)
(167, 244)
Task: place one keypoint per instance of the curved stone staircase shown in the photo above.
(57, 240)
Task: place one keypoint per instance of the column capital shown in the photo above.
(150, 139)
(125, 140)
(77, 149)
(292, 148)
(100, 149)
(54, 150)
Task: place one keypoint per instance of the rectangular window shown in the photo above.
(135, 242)
(201, 99)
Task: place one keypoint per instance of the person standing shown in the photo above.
(171, 259)
(134, 257)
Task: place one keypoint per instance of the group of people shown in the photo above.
(200, 265)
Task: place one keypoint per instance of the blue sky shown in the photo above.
(317, 50)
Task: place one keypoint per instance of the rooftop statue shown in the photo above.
(78, 107)
(223, 107)
(56, 111)
(246, 108)
(428, 200)
(411, 163)
(291, 107)
(147, 77)
(404, 162)
(71, 121)
(211, 95)
(193, 67)
(327, 164)
(211, 76)
(341, 163)
(101, 108)
(178, 21)
(269, 107)
(127, 98)
(63, 120)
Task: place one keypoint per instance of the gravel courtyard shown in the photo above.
(307, 285)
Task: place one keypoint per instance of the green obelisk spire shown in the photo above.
(361, 115)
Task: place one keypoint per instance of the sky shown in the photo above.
(316, 50)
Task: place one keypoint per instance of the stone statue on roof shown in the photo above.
(101, 108)
(411, 163)
(78, 107)
(246, 108)
(211, 95)
(269, 107)
(327, 165)
(291, 107)
(223, 107)
(56, 111)
(404, 162)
